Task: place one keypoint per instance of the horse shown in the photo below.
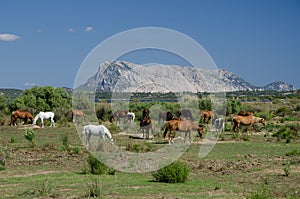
(130, 117)
(246, 120)
(243, 113)
(182, 126)
(146, 113)
(207, 116)
(24, 115)
(78, 113)
(44, 115)
(97, 130)
(146, 124)
(219, 124)
(117, 115)
(185, 113)
(165, 116)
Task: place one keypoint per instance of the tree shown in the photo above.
(44, 98)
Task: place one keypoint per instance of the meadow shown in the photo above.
(262, 164)
(235, 168)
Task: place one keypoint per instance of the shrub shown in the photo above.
(96, 167)
(30, 135)
(287, 132)
(287, 169)
(94, 190)
(176, 172)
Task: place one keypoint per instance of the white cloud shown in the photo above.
(71, 30)
(89, 29)
(29, 84)
(9, 37)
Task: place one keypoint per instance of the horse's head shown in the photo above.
(263, 121)
(200, 131)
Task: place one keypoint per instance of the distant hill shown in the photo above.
(11, 93)
(122, 76)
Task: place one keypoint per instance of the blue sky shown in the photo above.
(45, 42)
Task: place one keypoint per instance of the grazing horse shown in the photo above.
(130, 117)
(207, 116)
(165, 116)
(24, 115)
(97, 130)
(246, 120)
(182, 126)
(219, 124)
(187, 114)
(78, 113)
(146, 124)
(42, 116)
(247, 113)
(118, 115)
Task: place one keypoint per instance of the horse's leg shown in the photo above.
(52, 122)
(74, 118)
(25, 120)
(87, 142)
(42, 122)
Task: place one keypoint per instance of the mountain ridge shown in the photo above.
(123, 76)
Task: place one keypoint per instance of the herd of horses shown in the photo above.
(183, 123)
(27, 117)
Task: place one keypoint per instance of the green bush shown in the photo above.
(30, 135)
(176, 172)
(96, 167)
(287, 132)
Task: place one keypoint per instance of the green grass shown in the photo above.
(233, 169)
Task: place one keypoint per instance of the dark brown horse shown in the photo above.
(146, 113)
(165, 116)
(118, 115)
(19, 114)
(186, 114)
(206, 116)
(146, 125)
(182, 126)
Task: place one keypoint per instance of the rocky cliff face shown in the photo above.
(121, 76)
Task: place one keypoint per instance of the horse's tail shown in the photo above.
(166, 127)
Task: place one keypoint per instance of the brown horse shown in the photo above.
(118, 115)
(165, 116)
(78, 113)
(146, 124)
(245, 113)
(182, 126)
(246, 120)
(19, 114)
(207, 116)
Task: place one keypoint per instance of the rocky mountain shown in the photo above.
(122, 76)
(279, 86)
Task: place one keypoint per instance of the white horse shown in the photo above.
(97, 130)
(42, 116)
(219, 124)
(130, 117)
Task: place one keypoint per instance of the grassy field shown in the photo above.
(235, 168)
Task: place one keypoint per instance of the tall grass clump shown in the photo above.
(176, 172)
(30, 136)
(96, 167)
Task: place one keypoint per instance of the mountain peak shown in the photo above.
(124, 76)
